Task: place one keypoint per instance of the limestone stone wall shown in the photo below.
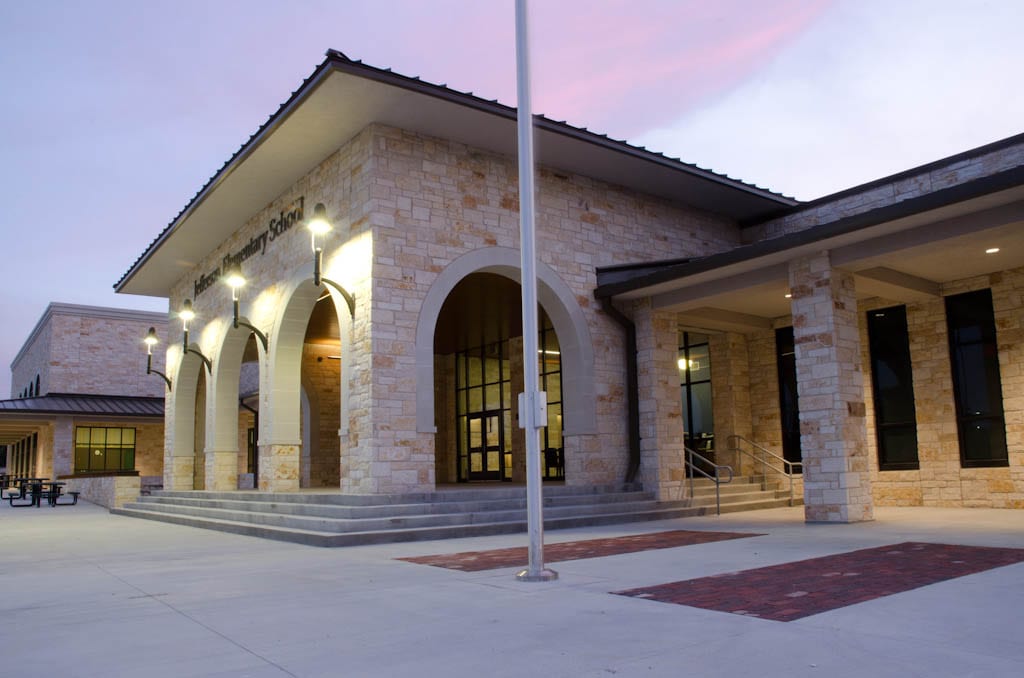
(765, 423)
(34, 359)
(731, 394)
(940, 480)
(113, 491)
(438, 200)
(91, 350)
(662, 468)
(406, 206)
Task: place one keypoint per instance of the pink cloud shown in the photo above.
(620, 67)
(624, 72)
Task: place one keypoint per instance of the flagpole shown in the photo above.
(532, 402)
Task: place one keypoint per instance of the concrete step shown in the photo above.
(263, 515)
(326, 539)
(335, 519)
(285, 505)
(462, 494)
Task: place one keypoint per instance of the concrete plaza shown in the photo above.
(86, 593)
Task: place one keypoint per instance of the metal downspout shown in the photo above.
(632, 388)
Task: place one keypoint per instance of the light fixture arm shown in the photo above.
(319, 225)
(349, 299)
(150, 370)
(236, 323)
(206, 361)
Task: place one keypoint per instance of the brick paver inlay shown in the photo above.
(796, 590)
(474, 561)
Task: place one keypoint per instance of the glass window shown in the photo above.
(789, 403)
(104, 449)
(977, 389)
(892, 384)
(695, 391)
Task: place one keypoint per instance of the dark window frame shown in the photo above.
(971, 306)
(689, 344)
(90, 449)
(894, 357)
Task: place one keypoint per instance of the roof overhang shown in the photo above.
(21, 417)
(903, 252)
(343, 97)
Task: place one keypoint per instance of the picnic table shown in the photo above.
(31, 492)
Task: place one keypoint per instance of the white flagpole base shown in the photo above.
(543, 575)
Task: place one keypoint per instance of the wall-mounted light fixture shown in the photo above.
(234, 278)
(187, 314)
(319, 226)
(151, 341)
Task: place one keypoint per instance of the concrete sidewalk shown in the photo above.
(85, 593)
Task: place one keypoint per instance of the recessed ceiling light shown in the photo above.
(789, 296)
(991, 250)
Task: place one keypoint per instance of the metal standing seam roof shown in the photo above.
(100, 405)
(336, 59)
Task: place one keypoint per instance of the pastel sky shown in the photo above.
(116, 112)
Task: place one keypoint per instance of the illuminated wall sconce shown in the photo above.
(319, 227)
(151, 341)
(187, 314)
(234, 278)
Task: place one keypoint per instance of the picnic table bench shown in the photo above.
(31, 492)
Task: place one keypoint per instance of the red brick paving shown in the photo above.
(475, 561)
(800, 589)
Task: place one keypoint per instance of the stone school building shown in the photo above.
(371, 333)
(82, 408)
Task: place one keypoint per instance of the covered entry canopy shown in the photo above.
(902, 250)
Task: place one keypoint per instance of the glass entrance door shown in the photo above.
(486, 442)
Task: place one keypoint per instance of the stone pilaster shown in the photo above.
(661, 422)
(63, 446)
(279, 468)
(833, 430)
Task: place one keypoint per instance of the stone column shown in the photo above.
(178, 472)
(661, 418)
(221, 470)
(279, 468)
(63, 446)
(833, 429)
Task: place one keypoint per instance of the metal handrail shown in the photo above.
(688, 456)
(788, 468)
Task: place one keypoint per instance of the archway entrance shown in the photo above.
(478, 348)
(249, 417)
(199, 435)
(319, 464)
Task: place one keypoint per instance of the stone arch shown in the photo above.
(281, 399)
(558, 301)
(222, 406)
(179, 468)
